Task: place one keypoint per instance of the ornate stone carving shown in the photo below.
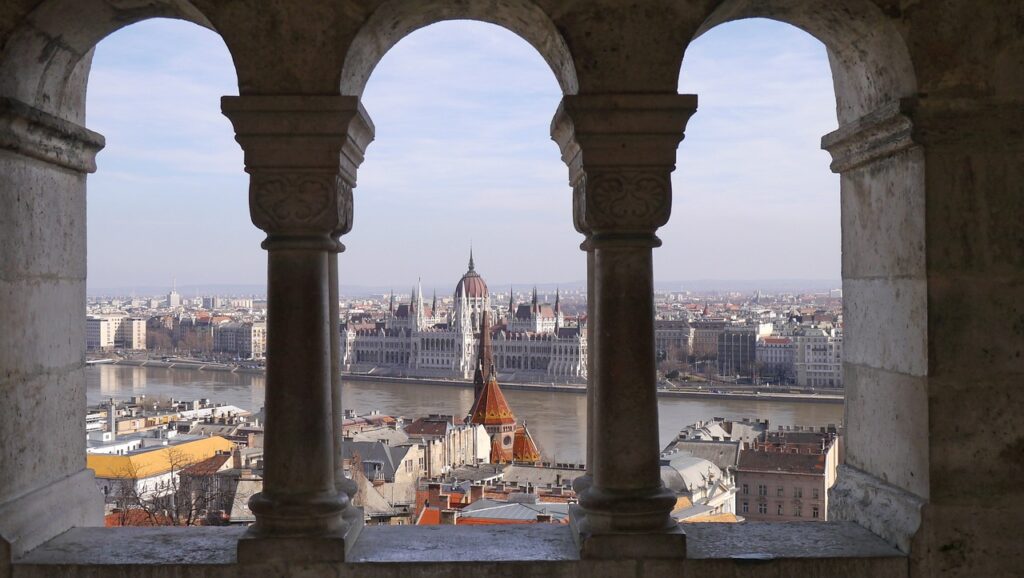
(622, 201)
(301, 203)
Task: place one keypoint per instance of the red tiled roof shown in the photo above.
(427, 427)
(134, 517)
(781, 462)
(207, 467)
(499, 455)
(429, 517)
(491, 522)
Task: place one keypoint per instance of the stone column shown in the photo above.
(621, 151)
(45, 487)
(933, 271)
(301, 153)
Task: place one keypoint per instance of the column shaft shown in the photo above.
(626, 448)
(298, 485)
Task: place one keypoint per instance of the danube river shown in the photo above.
(557, 420)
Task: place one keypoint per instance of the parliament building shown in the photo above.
(532, 342)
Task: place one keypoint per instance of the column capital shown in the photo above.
(928, 121)
(31, 132)
(302, 153)
(621, 151)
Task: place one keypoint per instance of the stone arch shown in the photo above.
(885, 478)
(46, 62)
(396, 19)
(870, 61)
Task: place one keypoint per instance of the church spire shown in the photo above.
(471, 267)
(391, 304)
(558, 309)
(484, 360)
(511, 302)
(433, 304)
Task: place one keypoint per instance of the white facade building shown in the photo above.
(247, 340)
(114, 331)
(818, 356)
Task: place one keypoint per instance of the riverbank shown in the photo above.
(751, 394)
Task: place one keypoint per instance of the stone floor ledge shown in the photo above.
(833, 548)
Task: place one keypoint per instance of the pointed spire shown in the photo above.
(557, 298)
(471, 267)
(535, 297)
(433, 304)
(511, 302)
(391, 304)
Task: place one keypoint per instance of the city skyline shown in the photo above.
(171, 165)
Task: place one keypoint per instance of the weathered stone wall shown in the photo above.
(932, 216)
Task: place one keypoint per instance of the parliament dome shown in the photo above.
(471, 284)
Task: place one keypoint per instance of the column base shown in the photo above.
(256, 548)
(669, 544)
(38, 516)
(892, 513)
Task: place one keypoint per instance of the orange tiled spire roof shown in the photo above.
(491, 407)
(500, 455)
(523, 448)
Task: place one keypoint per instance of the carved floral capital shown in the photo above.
(627, 201)
(301, 203)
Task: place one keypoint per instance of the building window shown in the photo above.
(746, 507)
(815, 493)
(780, 492)
(814, 511)
(746, 489)
(798, 493)
(780, 509)
(797, 511)
(762, 490)
(762, 508)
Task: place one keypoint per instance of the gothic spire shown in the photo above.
(557, 298)
(471, 267)
(433, 304)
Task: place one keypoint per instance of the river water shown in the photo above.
(557, 420)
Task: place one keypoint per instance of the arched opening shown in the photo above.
(175, 278)
(884, 289)
(462, 159)
(749, 302)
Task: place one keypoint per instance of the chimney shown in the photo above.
(112, 419)
(236, 459)
(449, 517)
(435, 497)
(476, 492)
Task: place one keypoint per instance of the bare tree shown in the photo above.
(184, 495)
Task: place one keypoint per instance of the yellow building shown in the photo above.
(151, 470)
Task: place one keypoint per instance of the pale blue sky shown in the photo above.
(462, 154)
